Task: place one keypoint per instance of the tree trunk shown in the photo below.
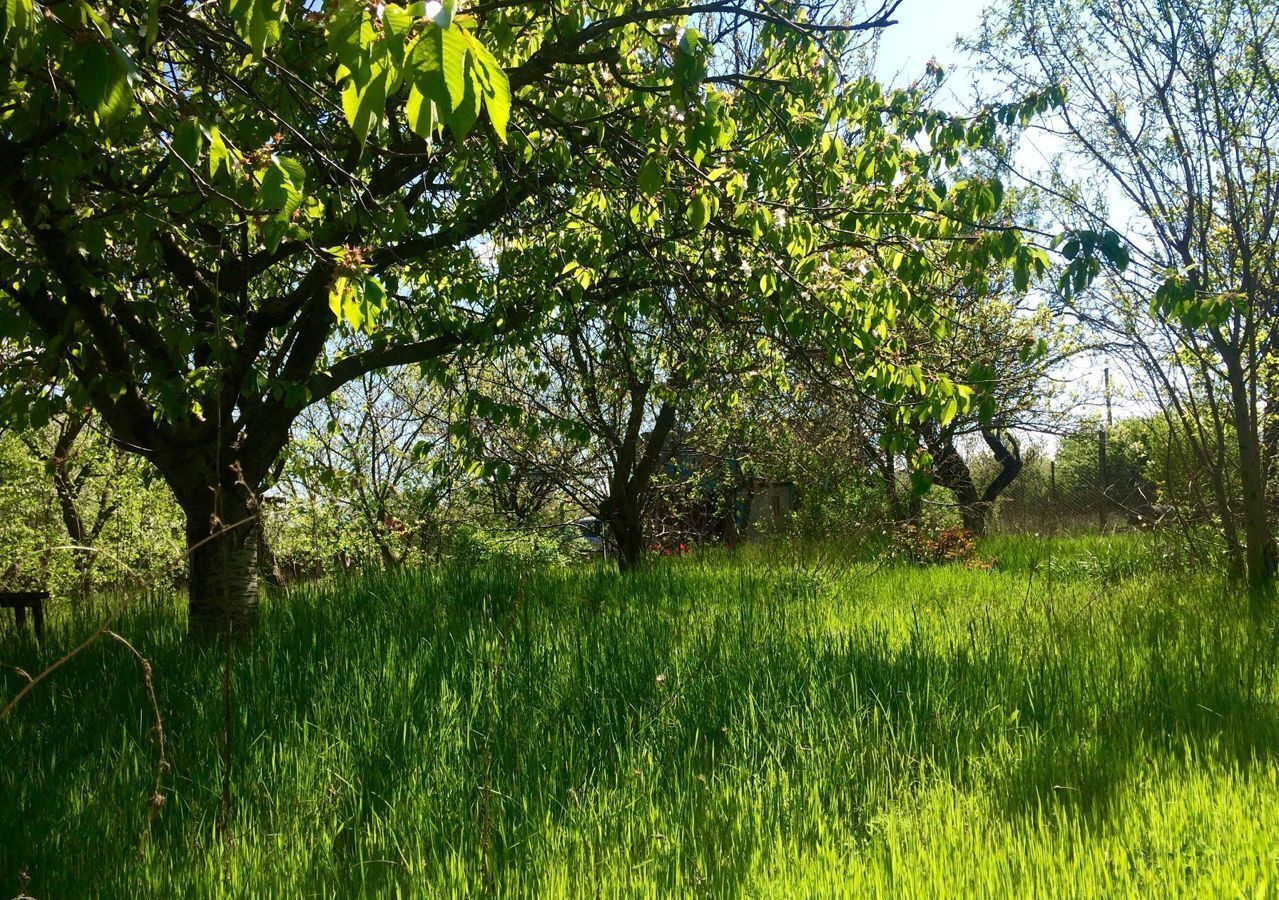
(628, 532)
(953, 474)
(222, 546)
(1270, 435)
(632, 478)
(1009, 468)
(1259, 543)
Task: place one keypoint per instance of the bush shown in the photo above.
(931, 545)
(477, 545)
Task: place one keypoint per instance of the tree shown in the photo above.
(1175, 103)
(217, 215)
(377, 449)
(615, 388)
(83, 516)
(1006, 348)
(78, 515)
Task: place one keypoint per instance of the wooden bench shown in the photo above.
(20, 602)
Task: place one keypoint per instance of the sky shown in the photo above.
(926, 29)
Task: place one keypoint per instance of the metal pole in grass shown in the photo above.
(1103, 480)
(1101, 477)
(1051, 511)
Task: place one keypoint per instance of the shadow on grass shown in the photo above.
(453, 715)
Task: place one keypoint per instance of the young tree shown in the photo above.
(79, 514)
(84, 513)
(375, 449)
(1007, 349)
(616, 388)
(1175, 103)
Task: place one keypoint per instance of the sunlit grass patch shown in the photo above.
(724, 725)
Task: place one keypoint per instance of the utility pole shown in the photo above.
(1109, 420)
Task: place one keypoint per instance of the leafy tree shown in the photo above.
(216, 215)
(615, 391)
(1175, 104)
(1006, 349)
(377, 449)
(78, 515)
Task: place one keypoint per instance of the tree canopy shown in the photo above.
(215, 215)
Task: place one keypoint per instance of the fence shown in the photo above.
(1090, 484)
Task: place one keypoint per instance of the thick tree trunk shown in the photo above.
(222, 545)
(628, 532)
(953, 474)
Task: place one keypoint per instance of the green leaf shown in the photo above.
(920, 482)
(494, 85)
(652, 175)
(396, 20)
(257, 22)
(426, 60)
(19, 17)
(219, 155)
(949, 410)
(444, 71)
(420, 112)
(153, 24)
(364, 106)
(338, 294)
(701, 209)
(187, 141)
(282, 187)
(453, 50)
(102, 81)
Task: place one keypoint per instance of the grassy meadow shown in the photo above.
(1083, 717)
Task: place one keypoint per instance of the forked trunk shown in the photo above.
(953, 474)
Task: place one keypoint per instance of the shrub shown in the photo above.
(931, 545)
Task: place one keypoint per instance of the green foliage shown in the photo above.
(852, 511)
(760, 725)
(499, 547)
(197, 232)
(139, 541)
(1131, 463)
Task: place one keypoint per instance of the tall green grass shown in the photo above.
(1077, 720)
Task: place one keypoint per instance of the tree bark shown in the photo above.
(628, 532)
(953, 473)
(222, 534)
(67, 487)
(1009, 468)
(1259, 543)
(632, 477)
